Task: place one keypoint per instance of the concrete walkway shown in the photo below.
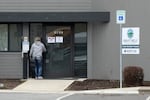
(51, 85)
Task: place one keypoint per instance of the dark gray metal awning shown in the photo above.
(54, 16)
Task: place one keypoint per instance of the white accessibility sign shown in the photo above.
(120, 16)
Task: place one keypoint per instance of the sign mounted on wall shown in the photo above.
(131, 40)
(25, 45)
(50, 39)
(59, 39)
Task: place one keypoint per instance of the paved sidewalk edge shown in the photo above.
(144, 89)
(131, 90)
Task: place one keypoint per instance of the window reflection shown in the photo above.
(35, 30)
(15, 33)
(10, 37)
(3, 37)
(80, 58)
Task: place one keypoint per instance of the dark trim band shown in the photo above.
(54, 16)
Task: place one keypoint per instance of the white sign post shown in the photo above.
(120, 19)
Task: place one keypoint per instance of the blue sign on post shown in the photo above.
(121, 17)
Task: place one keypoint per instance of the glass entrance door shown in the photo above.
(58, 62)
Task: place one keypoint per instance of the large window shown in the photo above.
(15, 34)
(3, 37)
(80, 50)
(10, 37)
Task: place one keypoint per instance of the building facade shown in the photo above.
(81, 36)
(105, 56)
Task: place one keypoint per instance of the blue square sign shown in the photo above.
(120, 16)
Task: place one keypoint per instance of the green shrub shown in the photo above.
(133, 76)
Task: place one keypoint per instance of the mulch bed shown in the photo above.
(88, 84)
(91, 84)
(9, 84)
